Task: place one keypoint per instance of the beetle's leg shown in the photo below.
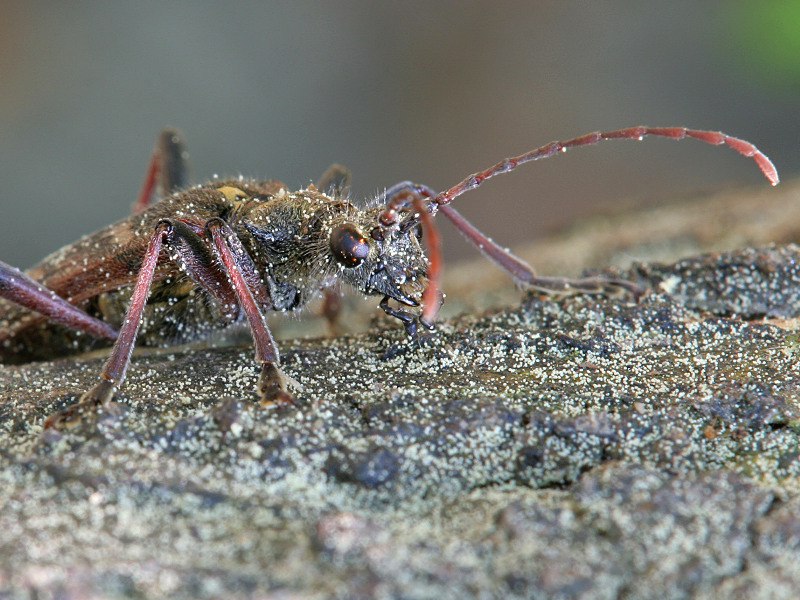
(409, 320)
(17, 287)
(399, 197)
(113, 372)
(167, 171)
(331, 307)
(211, 271)
(200, 264)
(524, 274)
(252, 295)
(335, 181)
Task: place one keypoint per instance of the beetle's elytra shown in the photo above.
(201, 258)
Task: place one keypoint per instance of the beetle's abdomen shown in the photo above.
(177, 311)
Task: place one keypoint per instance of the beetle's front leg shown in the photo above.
(331, 308)
(410, 321)
(524, 274)
(335, 181)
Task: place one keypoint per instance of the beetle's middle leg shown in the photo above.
(113, 372)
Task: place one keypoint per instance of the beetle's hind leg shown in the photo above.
(17, 287)
(167, 171)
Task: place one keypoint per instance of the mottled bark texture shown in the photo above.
(579, 448)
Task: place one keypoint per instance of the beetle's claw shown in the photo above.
(423, 336)
(621, 287)
(85, 408)
(279, 399)
(272, 387)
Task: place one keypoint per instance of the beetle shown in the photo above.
(204, 257)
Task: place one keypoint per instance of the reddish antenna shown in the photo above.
(407, 193)
(715, 138)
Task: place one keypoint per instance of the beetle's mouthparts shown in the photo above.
(410, 292)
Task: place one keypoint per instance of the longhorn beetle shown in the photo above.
(207, 256)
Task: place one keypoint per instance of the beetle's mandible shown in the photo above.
(201, 258)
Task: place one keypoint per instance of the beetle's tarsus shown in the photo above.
(561, 286)
(331, 308)
(86, 407)
(272, 387)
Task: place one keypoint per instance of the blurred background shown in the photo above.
(429, 91)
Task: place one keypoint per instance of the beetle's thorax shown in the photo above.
(285, 235)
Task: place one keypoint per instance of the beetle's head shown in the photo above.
(379, 260)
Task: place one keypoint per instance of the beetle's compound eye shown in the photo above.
(348, 245)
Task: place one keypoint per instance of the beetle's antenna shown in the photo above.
(399, 197)
(715, 138)
(426, 202)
